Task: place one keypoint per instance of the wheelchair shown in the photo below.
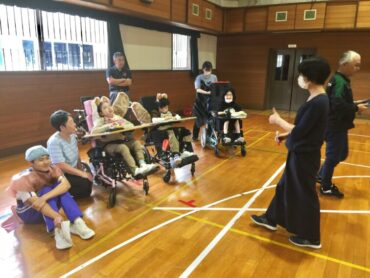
(211, 134)
(107, 169)
(157, 144)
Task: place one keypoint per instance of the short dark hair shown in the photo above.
(59, 118)
(117, 55)
(163, 102)
(231, 90)
(207, 65)
(315, 69)
(99, 108)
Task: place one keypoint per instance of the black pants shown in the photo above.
(195, 131)
(336, 151)
(295, 205)
(80, 187)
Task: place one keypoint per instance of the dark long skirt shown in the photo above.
(295, 205)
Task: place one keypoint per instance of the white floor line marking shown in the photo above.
(240, 195)
(261, 209)
(352, 164)
(358, 135)
(194, 210)
(352, 177)
(358, 165)
(221, 234)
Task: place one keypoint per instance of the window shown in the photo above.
(50, 41)
(282, 67)
(73, 42)
(147, 49)
(180, 52)
(19, 48)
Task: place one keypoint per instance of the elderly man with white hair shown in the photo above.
(341, 116)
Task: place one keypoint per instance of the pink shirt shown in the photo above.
(30, 180)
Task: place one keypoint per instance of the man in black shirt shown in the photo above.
(118, 77)
(341, 116)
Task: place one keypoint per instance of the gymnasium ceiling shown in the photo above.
(251, 3)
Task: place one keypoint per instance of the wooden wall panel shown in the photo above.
(340, 15)
(256, 19)
(25, 110)
(243, 59)
(193, 19)
(178, 10)
(318, 23)
(159, 8)
(233, 21)
(281, 25)
(218, 18)
(363, 16)
(217, 15)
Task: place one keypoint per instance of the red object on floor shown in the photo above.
(188, 203)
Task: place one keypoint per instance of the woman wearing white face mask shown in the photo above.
(295, 205)
(231, 106)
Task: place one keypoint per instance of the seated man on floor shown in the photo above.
(41, 191)
(63, 150)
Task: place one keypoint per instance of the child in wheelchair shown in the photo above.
(122, 144)
(179, 138)
(230, 108)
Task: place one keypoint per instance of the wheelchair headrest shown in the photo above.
(149, 103)
(218, 90)
(91, 110)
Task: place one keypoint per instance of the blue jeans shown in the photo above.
(336, 151)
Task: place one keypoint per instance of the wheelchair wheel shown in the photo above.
(217, 151)
(192, 170)
(243, 150)
(203, 137)
(112, 197)
(147, 157)
(167, 176)
(146, 187)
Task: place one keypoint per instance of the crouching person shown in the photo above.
(41, 191)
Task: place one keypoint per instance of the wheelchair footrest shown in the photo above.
(188, 160)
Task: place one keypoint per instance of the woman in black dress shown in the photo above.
(295, 205)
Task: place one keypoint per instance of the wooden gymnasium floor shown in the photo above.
(151, 237)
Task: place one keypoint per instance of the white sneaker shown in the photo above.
(186, 154)
(240, 140)
(65, 228)
(226, 140)
(139, 171)
(177, 160)
(63, 237)
(80, 228)
(151, 167)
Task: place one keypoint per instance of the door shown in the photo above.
(284, 92)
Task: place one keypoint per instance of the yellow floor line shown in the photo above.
(60, 265)
(270, 241)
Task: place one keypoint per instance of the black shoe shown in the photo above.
(318, 179)
(332, 191)
(296, 240)
(262, 221)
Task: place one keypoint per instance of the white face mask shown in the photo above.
(228, 100)
(302, 83)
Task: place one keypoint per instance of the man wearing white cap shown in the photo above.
(41, 191)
